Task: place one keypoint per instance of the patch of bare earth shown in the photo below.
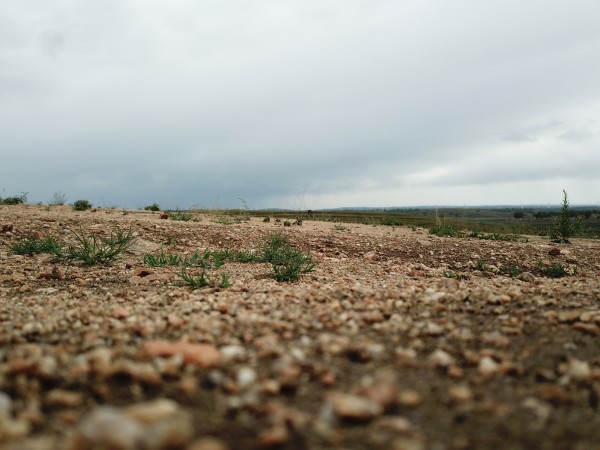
(378, 348)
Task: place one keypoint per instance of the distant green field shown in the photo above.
(490, 220)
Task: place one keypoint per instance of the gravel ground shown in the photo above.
(398, 340)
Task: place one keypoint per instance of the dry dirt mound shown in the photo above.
(398, 340)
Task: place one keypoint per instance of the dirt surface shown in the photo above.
(398, 340)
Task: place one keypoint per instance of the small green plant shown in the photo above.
(298, 221)
(287, 262)
(267, 219)
(515, 271)
(180, 216)
(15, 199)
(162, 260)
(481, 266)
(58, 199)
(202, 280)
(555, 270)
(93, 249)
(444, 230)
(33, 246)
(455, 275)
(227, 220)
(152, 207)
(340, 227)
(81, 205)
(564, 228)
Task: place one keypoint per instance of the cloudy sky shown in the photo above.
(300, 104)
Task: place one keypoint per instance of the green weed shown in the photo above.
(33, 246)
(15, 199)
(445, 230)
(555, 270)
(81, 205)
(93, 249)
(58, 198)
(152, 207)
(182, 216)
(287, 262)
(202, 280)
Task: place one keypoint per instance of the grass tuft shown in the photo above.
(93, 249)
(31, 246)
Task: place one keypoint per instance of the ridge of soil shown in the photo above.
(397, 340)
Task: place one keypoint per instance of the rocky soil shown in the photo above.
(398, 340)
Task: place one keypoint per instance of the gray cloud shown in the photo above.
(130, 102)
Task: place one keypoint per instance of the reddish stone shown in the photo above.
(201, 355)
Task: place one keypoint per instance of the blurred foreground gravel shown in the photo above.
(398, 340)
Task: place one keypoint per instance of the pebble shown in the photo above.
(200, 355)
(207, 443)
(441, 359)
(578, 370)
(352, 407)
(246, 377)
(107, 427)
(488, 366)
(460, 394)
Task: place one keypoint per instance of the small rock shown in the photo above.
(487, 366)
(207, 443)
(587, 328)
(148, 413)
(554, 251)
(578, 370)
(64, 398)
(460, 394)
(246, 377)
(410, 398)
(526, 276)
(5, 405)
(201, 355)
(231, 353)
(441, 359)
(352, 407)
(107, 427)
(569, 316)
(274, 437)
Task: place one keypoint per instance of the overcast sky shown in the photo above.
(300, 104)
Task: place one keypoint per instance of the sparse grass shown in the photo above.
(445, 230)
(202, 280)
(15, 199)
(340, 227)
(455, 275)
(81, 205)
(515, 271)
(481, 266)
(555, 270)
(58, 199)
(227, 220)
(93, 249)
(31, 246)
(182, 216)
(493, 236)
(287, 262)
